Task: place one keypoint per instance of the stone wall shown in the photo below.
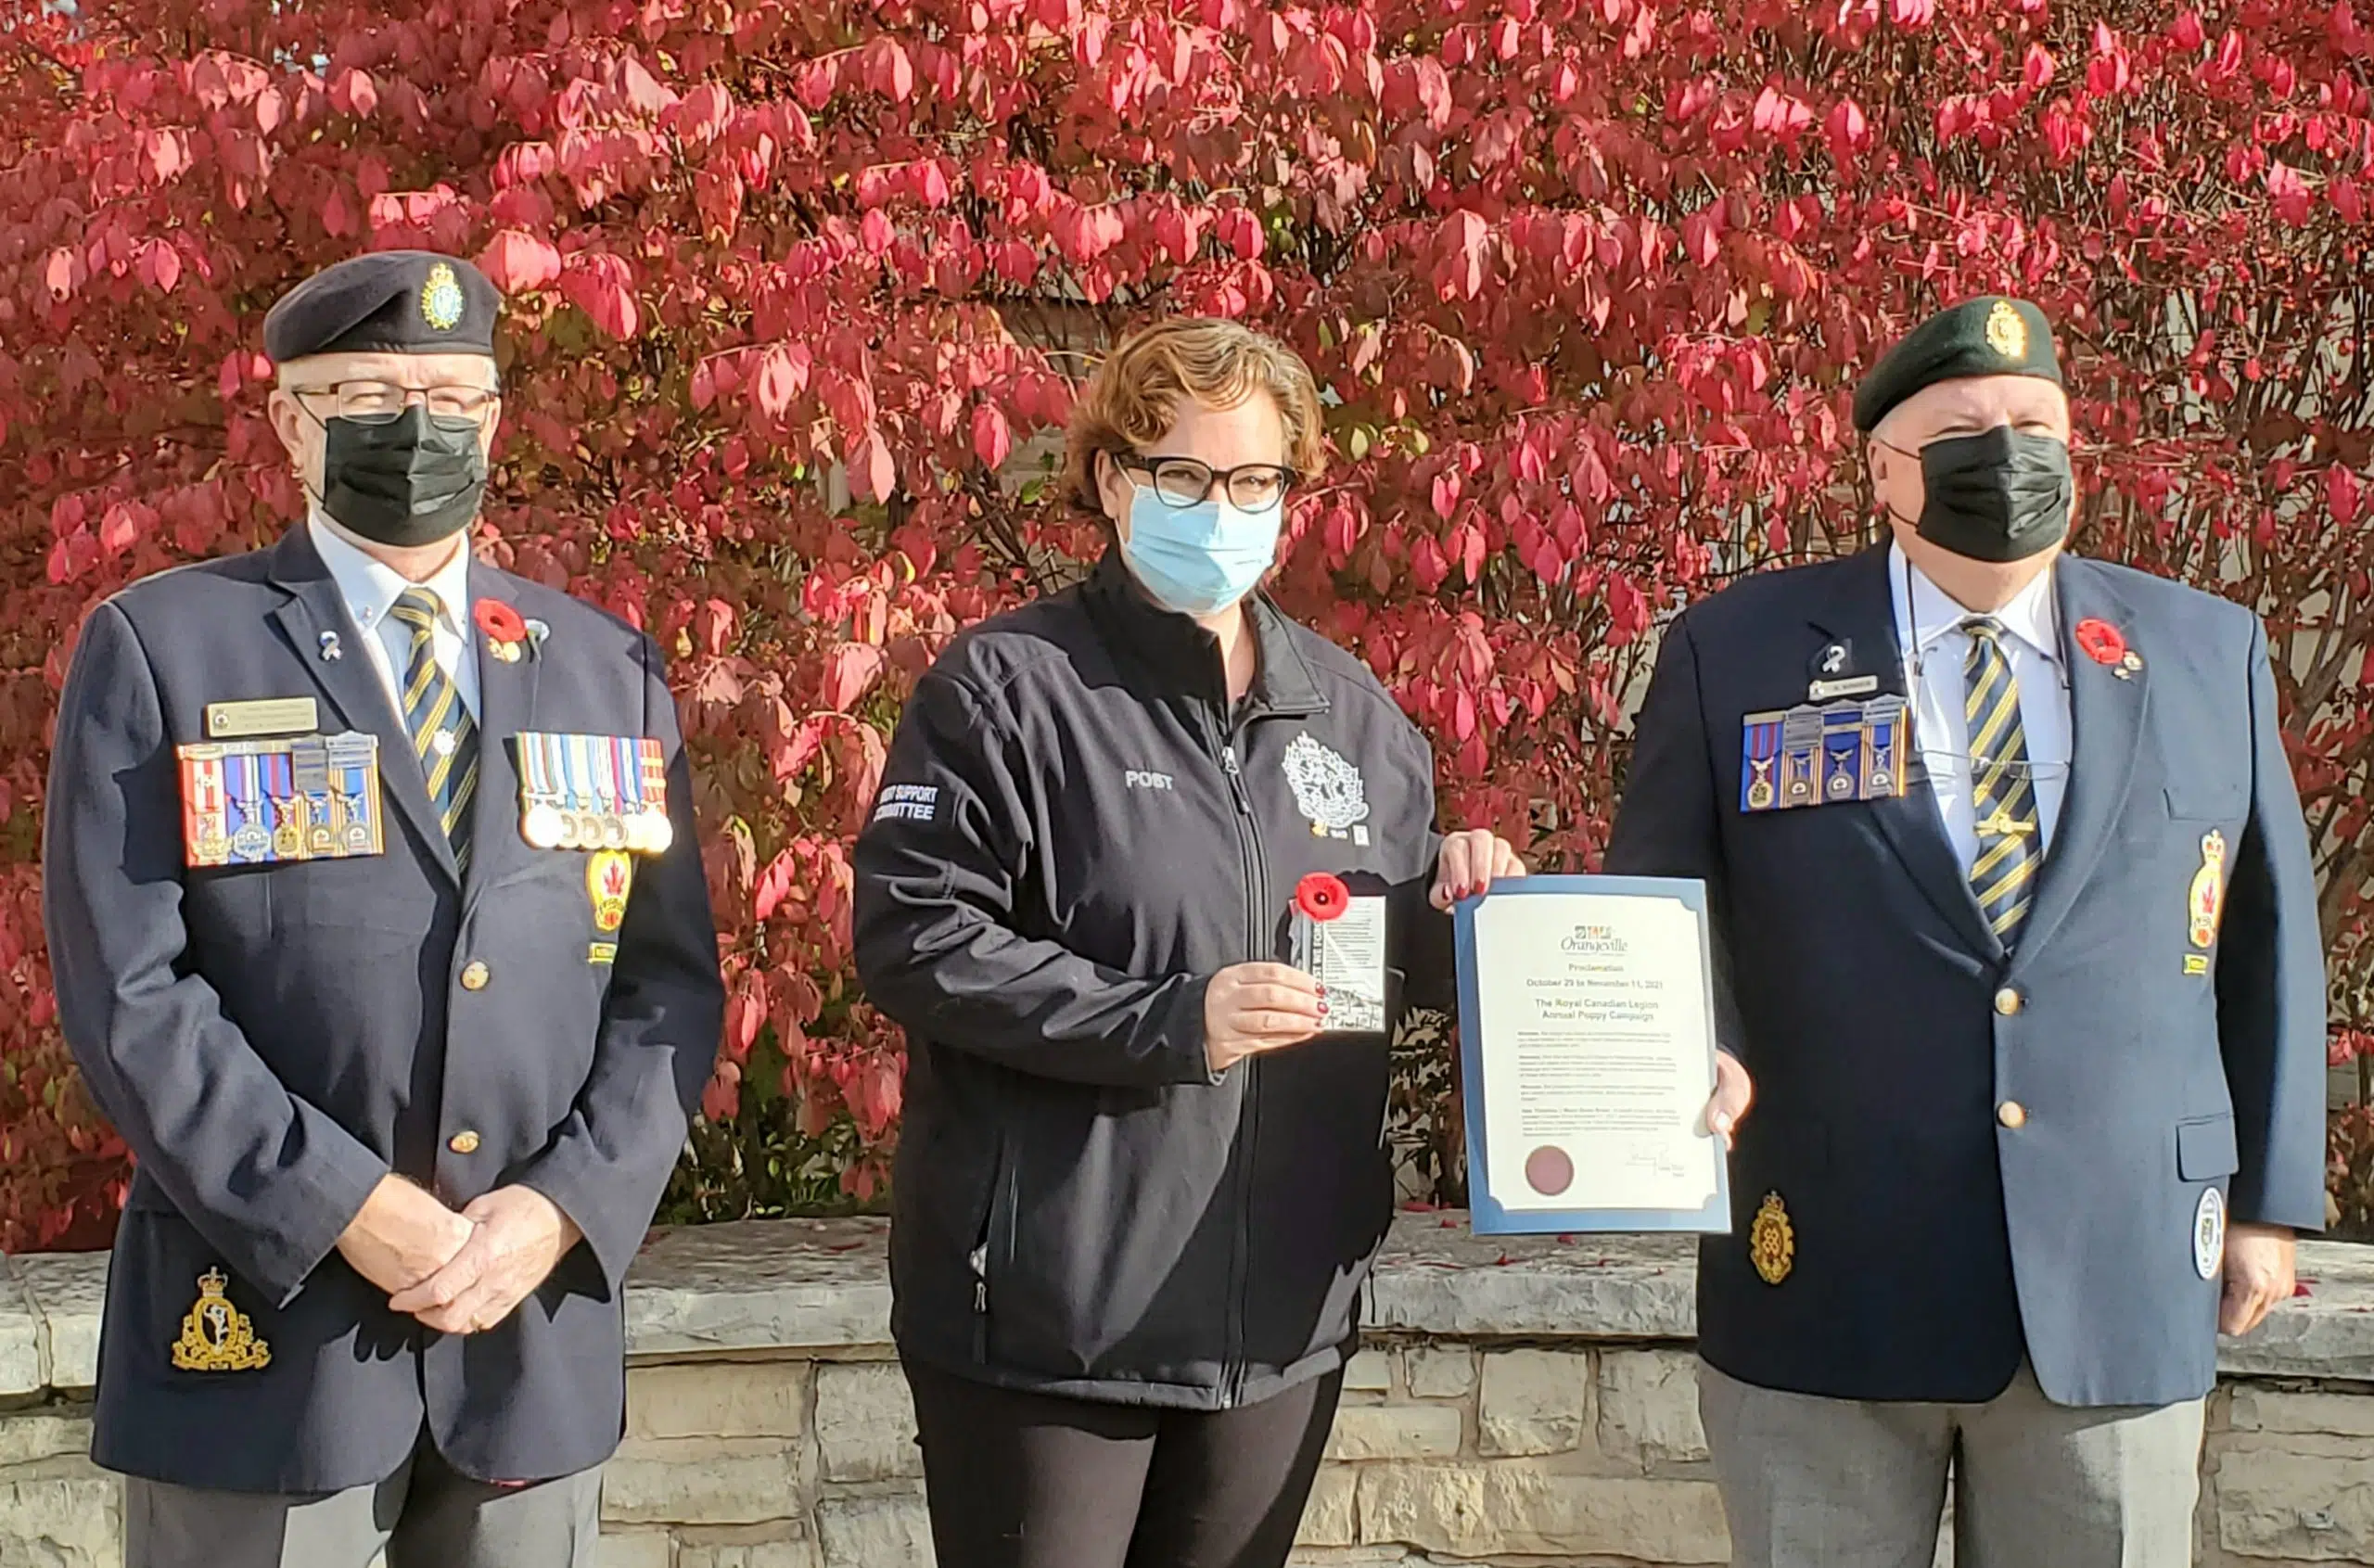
(1529, 1406)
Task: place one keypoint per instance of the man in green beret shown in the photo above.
(381, 934)
(2016, 936)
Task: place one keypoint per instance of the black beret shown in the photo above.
(1989, 336)
(391, 301)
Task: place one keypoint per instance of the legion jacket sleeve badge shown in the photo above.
(217, 1336)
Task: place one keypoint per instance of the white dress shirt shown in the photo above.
(1928, 628)
(370, 590)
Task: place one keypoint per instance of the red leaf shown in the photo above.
(353, 92)
(2342, 493)
(518, 262)
(599, 283)
(890, 72)
(703, 114)
(993, 443)
(774, 885)
(161, 266)
(722, 1097)
(852, 668)
(1470, 551)
(873, 463)
(1446, 493)
(782, 377)
(1849, 131)
(2290, 192)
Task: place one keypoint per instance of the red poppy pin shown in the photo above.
(502, 626)
(1322, 897)
(2106, 645)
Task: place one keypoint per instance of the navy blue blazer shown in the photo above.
(1894, 1043)
(272, 1040)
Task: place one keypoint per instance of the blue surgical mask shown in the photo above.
(1198, 560)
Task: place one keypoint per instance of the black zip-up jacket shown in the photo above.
(1074, 834)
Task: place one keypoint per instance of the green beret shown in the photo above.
(391, 301)
(1989, 336)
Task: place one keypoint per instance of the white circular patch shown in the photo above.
(441, 743)
(2208, 1234)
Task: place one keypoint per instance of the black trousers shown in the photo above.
(1029, 1481)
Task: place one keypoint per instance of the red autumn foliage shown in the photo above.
(798, 288)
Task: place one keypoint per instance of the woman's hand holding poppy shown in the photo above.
(1250, 1008)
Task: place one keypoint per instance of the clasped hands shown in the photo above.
(459, 1273)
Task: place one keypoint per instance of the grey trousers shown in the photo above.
(424, 1516)
(1811, 1483)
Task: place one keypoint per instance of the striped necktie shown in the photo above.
(2002, 786)
(442, 736)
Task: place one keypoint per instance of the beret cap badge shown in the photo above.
(2006, 333)
(441, 300)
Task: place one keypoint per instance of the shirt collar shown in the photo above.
(2030, 617)
(370, 586)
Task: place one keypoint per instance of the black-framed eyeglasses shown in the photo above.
(1187, 482)
(380, 403)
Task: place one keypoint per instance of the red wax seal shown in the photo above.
(1322, 897)
(1549, 1170)
(2103, 643)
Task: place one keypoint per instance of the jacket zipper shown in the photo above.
(979, 1256)
(1248, 840)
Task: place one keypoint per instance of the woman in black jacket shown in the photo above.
(1142, 1176)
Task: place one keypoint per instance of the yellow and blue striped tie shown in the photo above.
(442, 736)
(2002, 786)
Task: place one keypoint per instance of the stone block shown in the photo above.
(1332, 1517)
(683, 1481)
(31, 1436)
(718, 1399)
(1515, 1509)
(2293, 1506)
(2265, 1409)
(1535, 1401)
(760, 1284)
(875, 1530)
(1438, 1279)
(1441, 1371)
(795, 1554)
(67, 1290)
(62, 1522)
(22, 1368)
(865, 1422)
(1648, 1408)
(638, 1549)
(1396, 1432)
(1371, 1371)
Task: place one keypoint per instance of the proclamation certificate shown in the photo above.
(1587, 1044)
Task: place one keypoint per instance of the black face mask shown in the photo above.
(413, 480)
(2000, 495)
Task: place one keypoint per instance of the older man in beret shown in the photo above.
(2017, 938)
(380, 932)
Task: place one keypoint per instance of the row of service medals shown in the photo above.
(593, 791)
(255, 802)
(1824, 755)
